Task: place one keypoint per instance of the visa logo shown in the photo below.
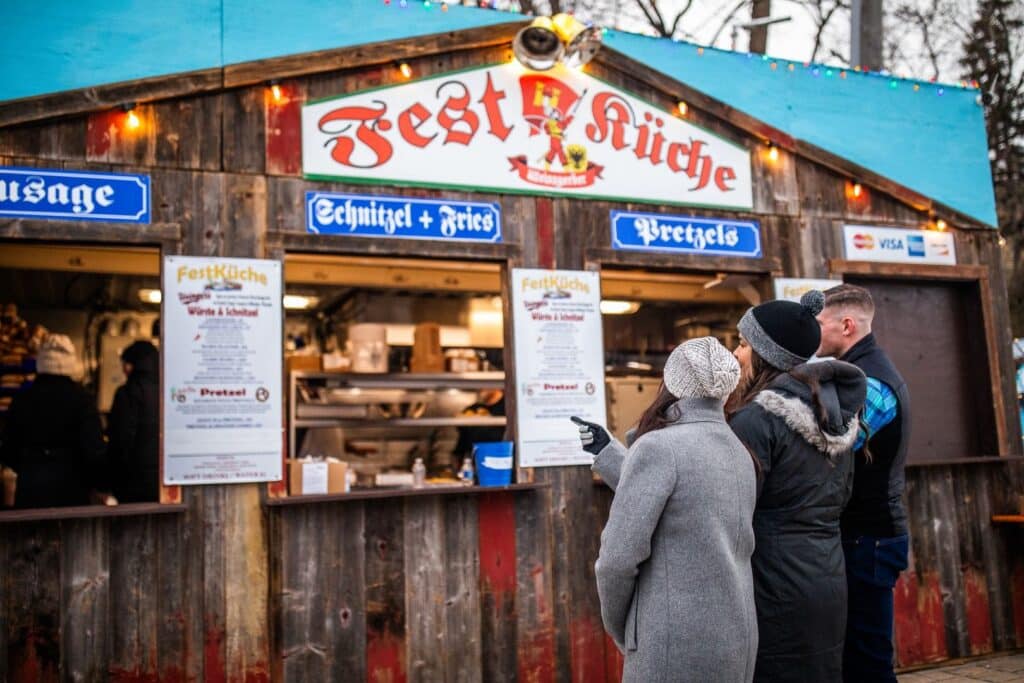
(894, 243)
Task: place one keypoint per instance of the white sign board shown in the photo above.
(897, 245)
(222, 356)
(792, 288)
(559, 354)
(505, 128)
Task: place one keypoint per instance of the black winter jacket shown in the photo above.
(799, 573)
(134, 433)
(52, 438)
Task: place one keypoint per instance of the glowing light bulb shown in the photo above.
(682, 108)
(275, 92)
(405, 69)
(132, 119)
(858, 190)
(773, 153)
(940, 225)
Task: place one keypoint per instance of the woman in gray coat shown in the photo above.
(673, 572)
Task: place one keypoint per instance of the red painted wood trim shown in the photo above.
(613, 660)
(979, 618)
(497, 523)
(586, 643)
(284, 130)
(1017, 598)
(102, 129)
(908, 629)
(545, 233)
(536, 655)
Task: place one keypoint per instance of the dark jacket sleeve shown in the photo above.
(92, 450)
(755, 428)
(11, 439)
(122, 426)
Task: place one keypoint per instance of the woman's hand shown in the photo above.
(593, 436)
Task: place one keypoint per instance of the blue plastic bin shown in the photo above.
(493, 463)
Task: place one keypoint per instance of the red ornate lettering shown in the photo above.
(598, 130)
(370, 120)
(676, 152)
(490, 100)
(724, 174)
(407, 127)
(469, 119)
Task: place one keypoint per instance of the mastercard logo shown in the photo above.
(863, 241)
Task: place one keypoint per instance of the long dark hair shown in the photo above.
(656, 417)
(761, 375)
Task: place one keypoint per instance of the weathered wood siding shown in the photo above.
(498, 586)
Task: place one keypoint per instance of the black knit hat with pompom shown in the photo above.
(784, 333)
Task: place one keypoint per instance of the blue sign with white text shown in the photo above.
(74, 195)
(329, 213)
(685, 234)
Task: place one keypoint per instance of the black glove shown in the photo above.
(593, 436)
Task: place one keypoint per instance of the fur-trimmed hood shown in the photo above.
(842, 389)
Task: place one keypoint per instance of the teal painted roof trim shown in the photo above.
(934, 144)
(931, 140)
(72, 44)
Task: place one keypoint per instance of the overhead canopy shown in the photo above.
(929, 138)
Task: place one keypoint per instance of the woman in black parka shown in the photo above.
(52, 435)
(134, 427)
(800, 419)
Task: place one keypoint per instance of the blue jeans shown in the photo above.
(872, 567)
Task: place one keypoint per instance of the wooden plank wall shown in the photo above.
(492, 587)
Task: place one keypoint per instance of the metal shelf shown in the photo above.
(408, 380)
(405, 422)
(434, 382)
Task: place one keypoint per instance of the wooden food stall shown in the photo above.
(404, 181)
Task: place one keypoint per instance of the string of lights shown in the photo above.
(775, 64)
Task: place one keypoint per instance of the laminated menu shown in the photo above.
(559, 353)
(222, 356)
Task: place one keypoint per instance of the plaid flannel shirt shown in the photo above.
(879, 410)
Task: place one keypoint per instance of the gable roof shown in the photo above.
(929, 138)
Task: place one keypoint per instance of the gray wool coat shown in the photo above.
(673, 573)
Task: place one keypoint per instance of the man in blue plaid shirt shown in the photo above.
(874, 523)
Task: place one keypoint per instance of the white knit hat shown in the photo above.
(701, 368)
(57, 356)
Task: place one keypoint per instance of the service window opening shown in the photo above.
(79, 375)
(646, 314)
(395, 370)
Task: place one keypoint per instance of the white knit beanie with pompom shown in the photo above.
(701, 368)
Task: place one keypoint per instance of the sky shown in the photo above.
(794, 39)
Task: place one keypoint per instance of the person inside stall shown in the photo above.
(133, 429)
(52, 448)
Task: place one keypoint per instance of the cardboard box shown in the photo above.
(306, 362)
(315, 477)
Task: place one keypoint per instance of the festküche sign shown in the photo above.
(505, 128)
(685, 234)
(379, 216)
(74, 195)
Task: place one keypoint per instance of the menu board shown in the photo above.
(222, 370)
(559, 363)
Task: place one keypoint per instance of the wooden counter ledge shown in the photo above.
(90, 512)
(371, 494)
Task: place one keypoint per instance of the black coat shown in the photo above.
(799, 572)
(134, 434)
(52, 438)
